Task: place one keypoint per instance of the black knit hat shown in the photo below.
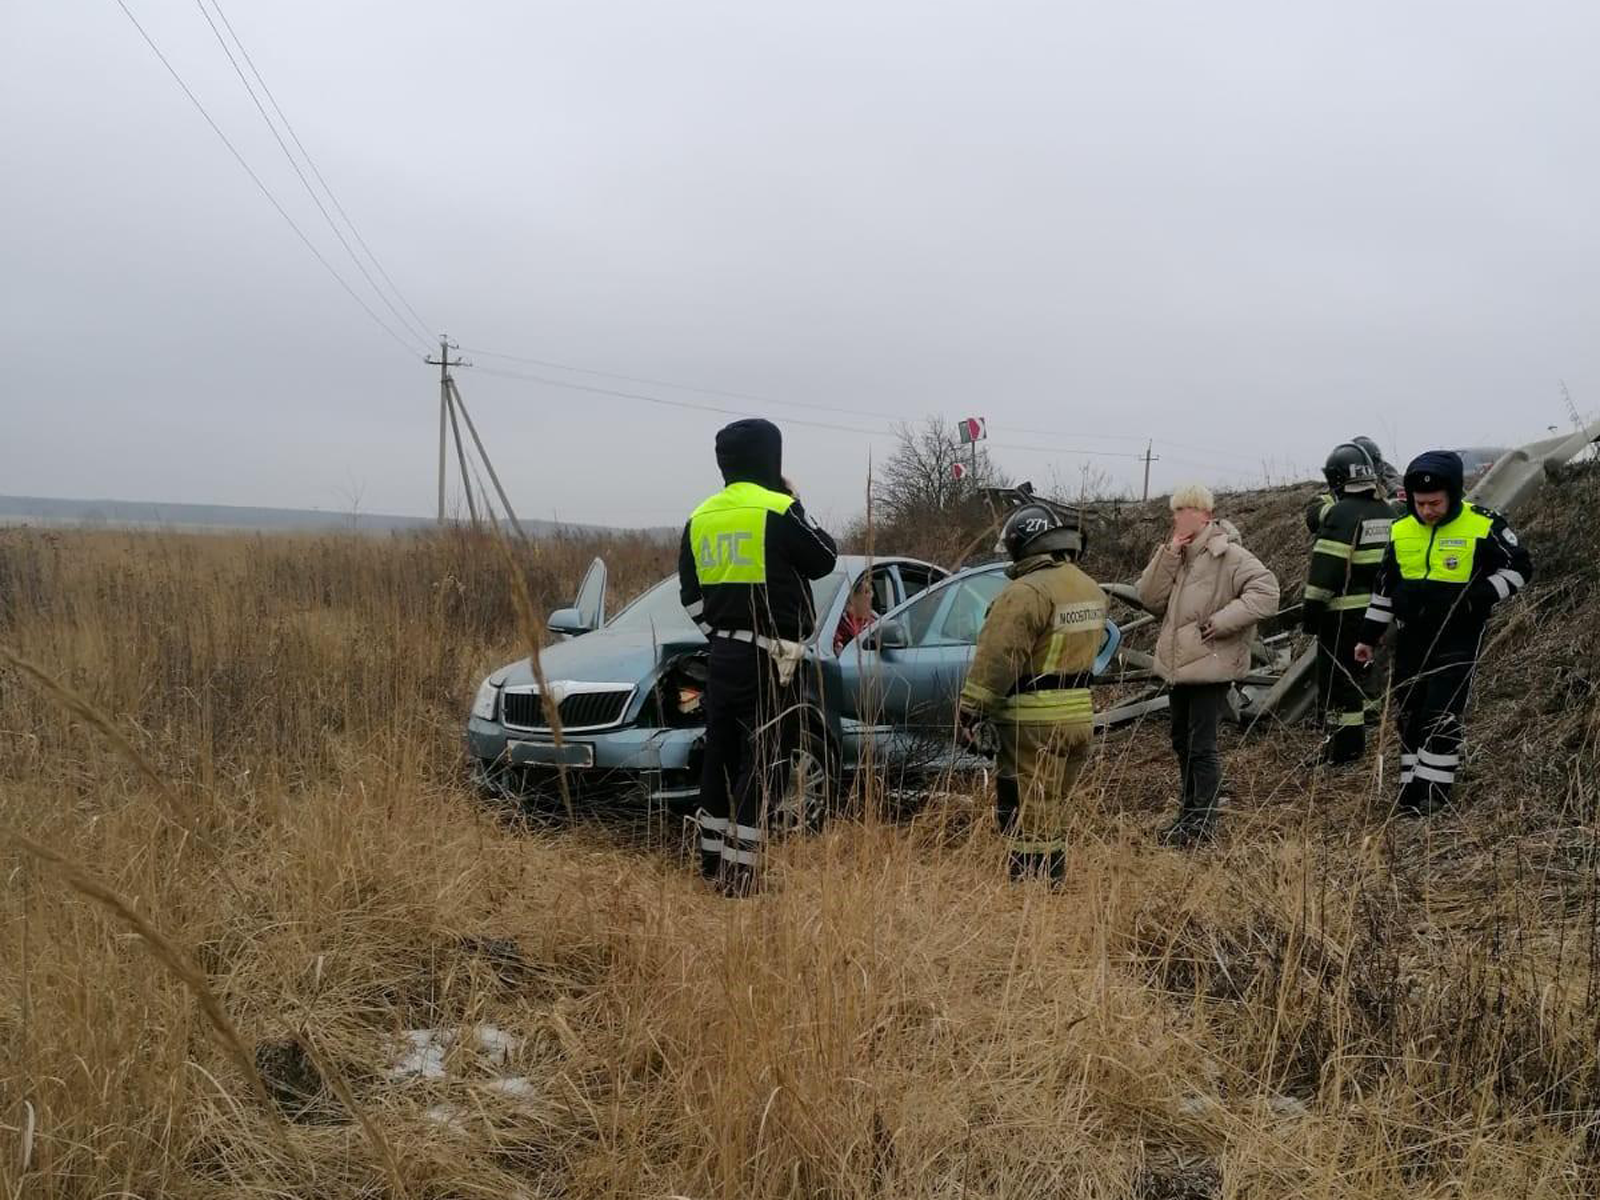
(751, 451)
(1436, 471)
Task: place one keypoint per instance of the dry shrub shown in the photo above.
(1325, 1004)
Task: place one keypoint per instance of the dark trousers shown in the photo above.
(1432, 683)
(1341, 687)
(1197, 709)
(749, 737)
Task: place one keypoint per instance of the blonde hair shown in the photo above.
(1193, 495)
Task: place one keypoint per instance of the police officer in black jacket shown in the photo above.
(745, 564)
(1448, 563)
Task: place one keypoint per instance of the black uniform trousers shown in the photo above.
(1342, 687)
(750, 735)
(1432, 682)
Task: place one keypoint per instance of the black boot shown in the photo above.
(1193, 827)
(738, 882)
(1025, 865)
(710, 864)
(1336, 754)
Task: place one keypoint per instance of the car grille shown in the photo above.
(581, 710)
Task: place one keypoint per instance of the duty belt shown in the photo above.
(1052, 683)
(770, 645)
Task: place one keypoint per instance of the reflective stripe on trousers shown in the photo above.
(1057, 706)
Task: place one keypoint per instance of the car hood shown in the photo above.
(602, 657)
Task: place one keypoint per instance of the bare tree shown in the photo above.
(921, 504)
(919, 481)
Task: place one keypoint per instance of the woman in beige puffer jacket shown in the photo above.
(1210, 592)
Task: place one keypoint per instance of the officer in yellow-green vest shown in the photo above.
(744, 569)
(1448, 563)
(1030, 677)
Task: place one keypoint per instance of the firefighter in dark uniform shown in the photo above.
(1448, 563)
(1351, 540)
(1030, 677)
(1388, 486)
(744, 569)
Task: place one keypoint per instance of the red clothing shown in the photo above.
(849, 627)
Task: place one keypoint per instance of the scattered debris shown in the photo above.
(423, 1060)
(426, 1050)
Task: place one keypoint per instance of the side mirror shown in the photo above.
(568, 622)
(889, 635)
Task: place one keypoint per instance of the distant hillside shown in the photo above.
(46, 510)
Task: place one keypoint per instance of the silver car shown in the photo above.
(628, 691)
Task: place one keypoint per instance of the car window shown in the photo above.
(918, 616)
(883, 597)
(916, 578)
(952, 613)
(823, 593)
(962, 618)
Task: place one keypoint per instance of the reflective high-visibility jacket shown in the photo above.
(1316, 508)
(1038, 646)
(745, 562)
(1351, 541)
(1445, 578)
(1322, 503)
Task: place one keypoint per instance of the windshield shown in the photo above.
(659, 608)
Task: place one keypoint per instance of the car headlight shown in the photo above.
(483, 703)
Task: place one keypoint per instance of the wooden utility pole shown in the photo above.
(461, 460)
(451, 405)
(1148, 459)
(494, 478)
(444, 362)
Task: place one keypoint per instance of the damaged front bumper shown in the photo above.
(659, 767)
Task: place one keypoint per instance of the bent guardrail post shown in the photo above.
(1521, 473)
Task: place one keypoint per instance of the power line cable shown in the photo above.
(689, 404)
(256, 179)
(683, 387)
(733, 412)
(1129, 438)
(1063, 450)
(851, 411)
(311, 162)
(306, 183)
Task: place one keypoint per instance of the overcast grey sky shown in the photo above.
(1246, 229)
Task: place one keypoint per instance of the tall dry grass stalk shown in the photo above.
(1326, 1004)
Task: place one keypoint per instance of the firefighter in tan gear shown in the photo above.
(1030, 677)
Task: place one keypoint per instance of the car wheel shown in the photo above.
(809, 787)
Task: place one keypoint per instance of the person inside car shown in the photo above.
(858, 614)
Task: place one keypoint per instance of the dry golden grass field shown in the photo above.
(240, 863)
